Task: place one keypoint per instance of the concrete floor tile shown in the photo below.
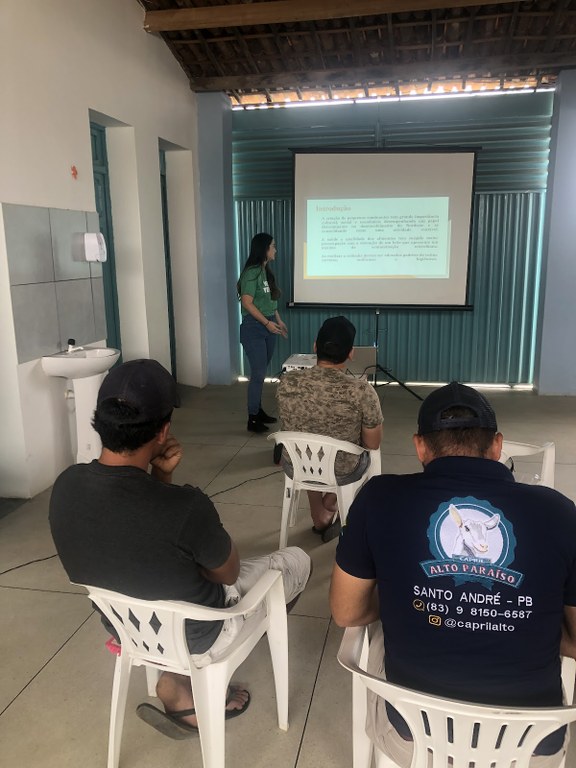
(328, 738)
(202, 463)
(35, 626)
(25, 533)
(53, 657)
(73, 730)
(250, 477)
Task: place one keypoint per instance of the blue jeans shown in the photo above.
(259, 346)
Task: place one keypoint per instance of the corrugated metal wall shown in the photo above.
(495, 343)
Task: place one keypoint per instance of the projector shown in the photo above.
(298, 362)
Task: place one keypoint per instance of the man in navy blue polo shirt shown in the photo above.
(472, 574)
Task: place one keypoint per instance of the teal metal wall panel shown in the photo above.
(495, 342)
(492, 344)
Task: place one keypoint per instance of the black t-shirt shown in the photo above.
(473, 571)
(119, 528)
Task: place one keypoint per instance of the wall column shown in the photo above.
(216, 240)
(555, 370)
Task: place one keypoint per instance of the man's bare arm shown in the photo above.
(353, 601)
(568, 641)
(372, 437)
(166, 459)
(227, 573)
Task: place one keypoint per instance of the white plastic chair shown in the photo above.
(152, 634)
(469, 734)
(548, 450)
(312, 457)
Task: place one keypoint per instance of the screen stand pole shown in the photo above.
(386, 371)
(376, 334)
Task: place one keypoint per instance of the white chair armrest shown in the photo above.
(350, 650)
(375, 467)
(250, 601)
(257, 594)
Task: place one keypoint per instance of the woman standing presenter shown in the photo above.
(261, 322)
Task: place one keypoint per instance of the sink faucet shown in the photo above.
(71, 345)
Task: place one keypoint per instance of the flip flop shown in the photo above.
(166, 724)
(331, 531)
(170, 723)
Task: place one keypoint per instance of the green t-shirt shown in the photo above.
(253, 283)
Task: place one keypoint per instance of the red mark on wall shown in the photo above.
(74, 172)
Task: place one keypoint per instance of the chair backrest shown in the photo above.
(470, 735)
(545, 475)
(151, 630)
(313, 456)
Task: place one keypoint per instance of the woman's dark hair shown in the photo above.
(120, 431)
(257, 258)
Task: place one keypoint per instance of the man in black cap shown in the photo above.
(119, 523)
(326, 401)
(472, 575)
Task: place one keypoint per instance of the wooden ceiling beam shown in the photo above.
(290, 11)
(383, 73)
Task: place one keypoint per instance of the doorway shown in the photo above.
(169, 290)
(104, 209)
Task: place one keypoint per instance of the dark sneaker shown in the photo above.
(263, 417)
(255, 426)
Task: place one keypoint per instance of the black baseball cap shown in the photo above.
(335, 338)
(455, 394)
(143, 384)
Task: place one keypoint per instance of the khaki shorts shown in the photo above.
(386, 737)
(292, 562)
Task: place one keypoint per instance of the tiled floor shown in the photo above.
(55, 678)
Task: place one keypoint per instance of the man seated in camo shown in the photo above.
(327, 401)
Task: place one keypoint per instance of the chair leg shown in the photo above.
(288, 511)
(294, 506)
(152, 677)
(568, 678)
(277, 635)
(383, 761)
(345, 494)
(209, 686)
(118, 707)
(362, 747)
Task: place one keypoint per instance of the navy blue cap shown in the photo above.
(453, 395)
(335, 337)
(143, 384)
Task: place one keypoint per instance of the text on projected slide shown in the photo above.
(383, 237)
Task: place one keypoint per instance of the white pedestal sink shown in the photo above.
(85, 367)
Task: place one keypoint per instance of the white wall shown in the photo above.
(216, 217)
(59, 61)
(555, 372)
(13, 472)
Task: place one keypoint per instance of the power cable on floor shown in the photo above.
(30, 562)
(249, 480)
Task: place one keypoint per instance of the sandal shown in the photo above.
(170, 723)
(332, 531)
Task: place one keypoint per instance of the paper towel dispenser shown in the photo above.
(89, 246)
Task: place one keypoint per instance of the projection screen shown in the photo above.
(382, 228)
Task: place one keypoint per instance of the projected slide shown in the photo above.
(390, 237)
(382, 228)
